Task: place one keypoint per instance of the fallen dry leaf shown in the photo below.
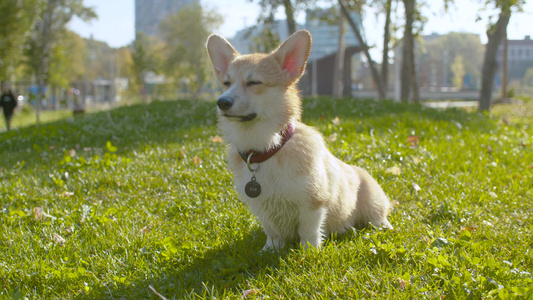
(72, 152)
(402, 283)
(248, 293)
(58, 239)
(51, 147)
(67, 194)
(471, 228)
(394, 171)
(197, 160)
(336, 121)
(413, 141)
(145, 229)
(217, 139)
(38, 213)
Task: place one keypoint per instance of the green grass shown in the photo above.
(25, 116)
(141, 196)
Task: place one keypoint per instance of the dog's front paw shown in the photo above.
(308, 244)
(273, 244)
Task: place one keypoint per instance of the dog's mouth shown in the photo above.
(246, 118)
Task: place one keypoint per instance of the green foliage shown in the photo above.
(49, 32)
(145, 57)
(448, 48)
(185, 34)
(66, 64)
(96, 59)
(15, 23)
(458, 70)
(265, 42)
(528, 78)
(102, 205)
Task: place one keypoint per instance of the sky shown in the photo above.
(116, 20)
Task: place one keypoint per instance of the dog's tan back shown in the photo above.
(306, 192)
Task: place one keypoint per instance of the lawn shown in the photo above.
(104, 205)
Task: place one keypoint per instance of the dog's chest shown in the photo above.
(282, 192)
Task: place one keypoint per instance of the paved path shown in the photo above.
(450, 104)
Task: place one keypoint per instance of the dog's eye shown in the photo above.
(250, 83)
(226, 83)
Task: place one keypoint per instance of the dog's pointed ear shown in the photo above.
(221, 54)
(293, 54)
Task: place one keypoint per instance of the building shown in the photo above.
(243, 41)
(519, 58)
(150, 13)
(323, 51)
(436, 55)
(326, 34)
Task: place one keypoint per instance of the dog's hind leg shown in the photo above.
(373, 206)
(311, 226)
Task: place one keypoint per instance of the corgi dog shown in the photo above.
(282, 167)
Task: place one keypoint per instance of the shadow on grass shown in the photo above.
(210, 274)
(127, 128)
(349, 108)
(131, 127)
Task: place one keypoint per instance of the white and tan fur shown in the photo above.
(307, 193)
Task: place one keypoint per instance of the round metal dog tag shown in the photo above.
(252, 188)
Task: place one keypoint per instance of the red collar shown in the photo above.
(259, 157)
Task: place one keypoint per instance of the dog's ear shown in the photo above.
(293, 54)
(221, 54)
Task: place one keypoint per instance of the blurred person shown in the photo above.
(8, 103)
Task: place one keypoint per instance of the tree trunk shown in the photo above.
(386, 41)
(407, 64)
(338, 78)
(414, 79)
(372, 65)
(42, 69)
(504, 75)
(289, 11)
(495, 34)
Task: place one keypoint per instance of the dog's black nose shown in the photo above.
(224, 103)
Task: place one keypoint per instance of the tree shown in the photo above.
(386, 42)
(145, 57)
(269, 8)
(458, 70)
(265, 41)
(338, 80)
(451, 45)
(15, 23)
(53, 17)
(528, 78)
(185, 34)
(495, 33)
(375, 75)
(409, 80)
(66, 61)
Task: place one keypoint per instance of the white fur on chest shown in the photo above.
(282, 196)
